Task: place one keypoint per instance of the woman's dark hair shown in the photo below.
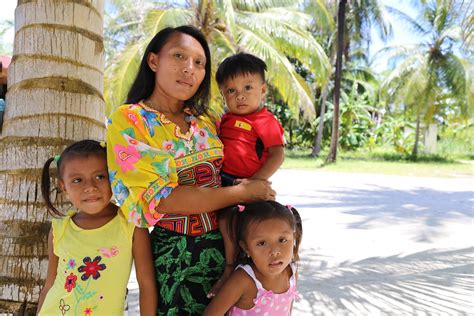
(144, 82)
(83, 149)
(258, 212)
(240, 64)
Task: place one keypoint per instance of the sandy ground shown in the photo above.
(379, 244)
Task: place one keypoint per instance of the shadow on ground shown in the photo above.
(381, 205)
(428, 282)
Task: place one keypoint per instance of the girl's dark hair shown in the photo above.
(258, 212)
(83, 148)
(144, 82)
(240, 64)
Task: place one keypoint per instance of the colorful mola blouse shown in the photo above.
(148, 156)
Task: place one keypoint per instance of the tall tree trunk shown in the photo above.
(341, 13)
(54, 97)
(414, 153)
(319, 135)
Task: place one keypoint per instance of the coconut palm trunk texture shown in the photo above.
(54, 97)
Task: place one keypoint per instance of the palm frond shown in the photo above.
(122, 75)
(291, 39)
(413, 24)
(321, 16)
(396, 53)
(226, 10)
(258, 5)
(221, 45)
(396, 84)
(156, 20)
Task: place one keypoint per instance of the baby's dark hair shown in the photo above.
(83, 149)
(238, 65)
(259, 212)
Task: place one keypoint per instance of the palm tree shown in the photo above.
(54, 97)
(272, 30)
(360, 17)
(428, 71)
(341, 15)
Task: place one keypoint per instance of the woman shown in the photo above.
(164, 161)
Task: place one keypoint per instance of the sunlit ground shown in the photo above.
(380, 244)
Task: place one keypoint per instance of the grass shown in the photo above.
(431, 166)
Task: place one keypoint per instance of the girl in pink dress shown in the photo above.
(267, 236)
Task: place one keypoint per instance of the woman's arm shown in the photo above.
(193, 200)
(276, 155)
(145, 272)
(231, 292)
(52, 268)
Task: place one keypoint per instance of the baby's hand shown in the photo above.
(258, 190)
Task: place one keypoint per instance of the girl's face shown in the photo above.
(86, 183)
(270, 245)
(179, 67)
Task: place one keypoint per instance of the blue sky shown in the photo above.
(401, 34)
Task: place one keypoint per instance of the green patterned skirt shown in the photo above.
(186, 268)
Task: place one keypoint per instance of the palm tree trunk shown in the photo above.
(54, 96)
(337, 84)
(414, 153)
(319, 135)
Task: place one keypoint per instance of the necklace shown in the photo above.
(187, 138)
(188, 116)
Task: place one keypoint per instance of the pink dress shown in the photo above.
(268, 303)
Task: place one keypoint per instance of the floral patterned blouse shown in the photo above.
(93, 268)
(148, 156)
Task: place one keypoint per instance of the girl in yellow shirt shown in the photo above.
(91, 250)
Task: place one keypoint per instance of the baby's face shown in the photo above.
(243, 94)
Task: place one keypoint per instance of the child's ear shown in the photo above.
(243, 245)
(152, 61)
(264, 90)
(62, 186)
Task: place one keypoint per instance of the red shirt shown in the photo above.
(239, 135)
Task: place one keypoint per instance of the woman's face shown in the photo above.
(179, 67)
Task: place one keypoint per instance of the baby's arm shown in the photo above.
(145, 271)
(52, 268)
(276, 155)
(236, 286)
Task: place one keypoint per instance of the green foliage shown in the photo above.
(395, 132)
(355, 118)
(457, 141)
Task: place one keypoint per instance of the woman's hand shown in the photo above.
(257, 190)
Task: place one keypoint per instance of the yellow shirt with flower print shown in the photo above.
(93, 268)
